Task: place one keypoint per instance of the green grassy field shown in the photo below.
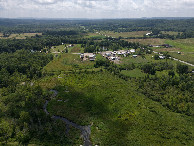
(118, 114)
(171, 32)
(19, 36)
(188, 57)
(68, 62)
(186, 45)
(58, 49)
(124, 34)
(94, 35)
(77, 49)
(133, 73)
(149, 41)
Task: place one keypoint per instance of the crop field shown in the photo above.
(186, 45)
(19, 36)
(124, 34)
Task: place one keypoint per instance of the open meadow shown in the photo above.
(185, 45)
(116, 111)
(148, 41)
(20, 36)
(124, 34)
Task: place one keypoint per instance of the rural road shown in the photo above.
(179, 60)
(85, 130)
(183, 62)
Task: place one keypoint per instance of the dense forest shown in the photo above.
(139, 100)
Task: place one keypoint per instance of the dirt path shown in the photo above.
(85, 130)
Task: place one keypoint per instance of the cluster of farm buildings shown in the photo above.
(110, 55)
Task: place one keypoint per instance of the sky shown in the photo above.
(95, 8)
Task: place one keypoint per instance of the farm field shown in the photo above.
(20, 36)
(124, 34)
(185, 56)
(171, 32)
(94, 35)
(148, 41)
(185, 45)
(67, 62)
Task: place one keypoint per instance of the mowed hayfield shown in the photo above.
(149, 41)
(94, 35)
(19, 36)
(185, 45)
(171, 32)
(124, 34)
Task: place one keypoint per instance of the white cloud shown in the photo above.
(96, 8)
